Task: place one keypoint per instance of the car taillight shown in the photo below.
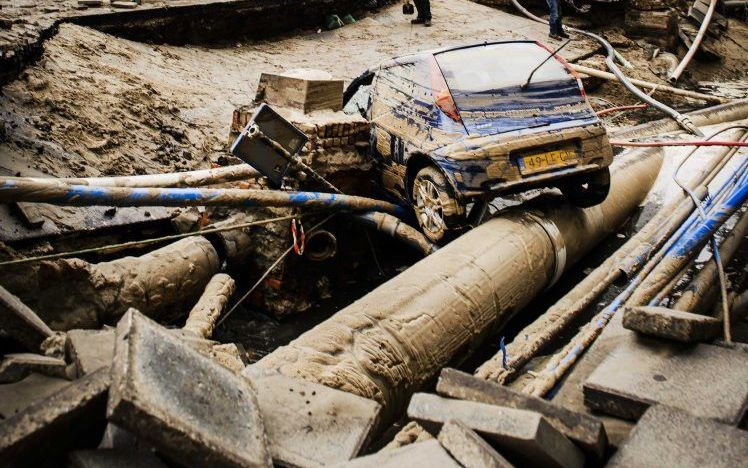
(442, 96)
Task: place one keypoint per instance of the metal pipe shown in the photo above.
(646, 84)
(199, 178)
(390, 342)
(701, 291)
(728, 112)
(320, 245)
(397, 229)
(696, 43)
(14, 189)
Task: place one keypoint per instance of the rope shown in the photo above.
(146, 241)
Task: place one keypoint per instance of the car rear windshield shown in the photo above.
(496, 66)
(486, 85)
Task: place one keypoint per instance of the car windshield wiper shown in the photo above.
(527, 83)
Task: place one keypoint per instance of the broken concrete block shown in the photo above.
(91, 3)
(409, 434)
(71, 418)
(15, 397)
(643, 372)
(308, 424)
(427, 454)
(584, 430)
(21, 323)
(191, 409)
(113, 458)
(522, 435)
(304, 89)
(667, 436)
(90, 350)
(469, 448)
(671, 324)
(15, 367)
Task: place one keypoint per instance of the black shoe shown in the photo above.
(427, 23)
(563, 34)
(418, 21)
(554, 36)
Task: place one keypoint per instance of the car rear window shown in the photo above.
(497, 66)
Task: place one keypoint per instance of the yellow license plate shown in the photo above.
(548, 160)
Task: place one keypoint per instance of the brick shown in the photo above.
(667, 436)
(586, 431)
(113, 458)
(71, 418)
(15, 367)
(308, 424)
(90, 350)
(521, 435)
(705, 380)
(469, 448)
(20, 323)
(671, 324)
(427, 454)
(190, 408)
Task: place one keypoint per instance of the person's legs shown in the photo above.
(424, 9)
(554, 20)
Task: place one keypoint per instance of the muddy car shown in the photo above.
(454, 128)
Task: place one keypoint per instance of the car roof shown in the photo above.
(416, 56)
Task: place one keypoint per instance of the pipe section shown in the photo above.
(320, 245)
(390, 342)
(175, 179)
(696, 43)
(15, 189)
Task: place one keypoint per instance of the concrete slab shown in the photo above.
(69, 419)
(308, 424)
(586, 431)
(90, 350)
(113, 458)
(16, 397)
(15, 367)
(20, 323)
(190, 408)
(521, 435)
(667, 436)
(643, 372)
(671, 324)
(469, 448)
(428, 454)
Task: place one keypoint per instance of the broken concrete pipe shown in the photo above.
(389, 343)
(162, 284)
(320, 245)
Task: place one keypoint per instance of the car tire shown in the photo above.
(588, 189)
(436, 207)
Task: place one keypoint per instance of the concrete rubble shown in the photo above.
(281, 333)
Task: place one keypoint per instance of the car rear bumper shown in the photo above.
(477, 166)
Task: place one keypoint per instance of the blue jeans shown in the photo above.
(554, 19)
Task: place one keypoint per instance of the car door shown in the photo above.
(392, 123)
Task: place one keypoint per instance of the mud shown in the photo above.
(162, 284)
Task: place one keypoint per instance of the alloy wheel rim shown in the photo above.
(429, 206)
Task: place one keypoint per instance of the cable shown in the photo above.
(621, 108)
(147, 241)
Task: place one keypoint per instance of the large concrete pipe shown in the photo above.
(388, 343)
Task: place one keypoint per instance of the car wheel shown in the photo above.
(435, 204)
(588, 189)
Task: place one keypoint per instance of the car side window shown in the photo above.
(360, 101)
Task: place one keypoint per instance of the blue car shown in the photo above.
(456, 127)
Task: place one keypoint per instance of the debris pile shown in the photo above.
(545, 335)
